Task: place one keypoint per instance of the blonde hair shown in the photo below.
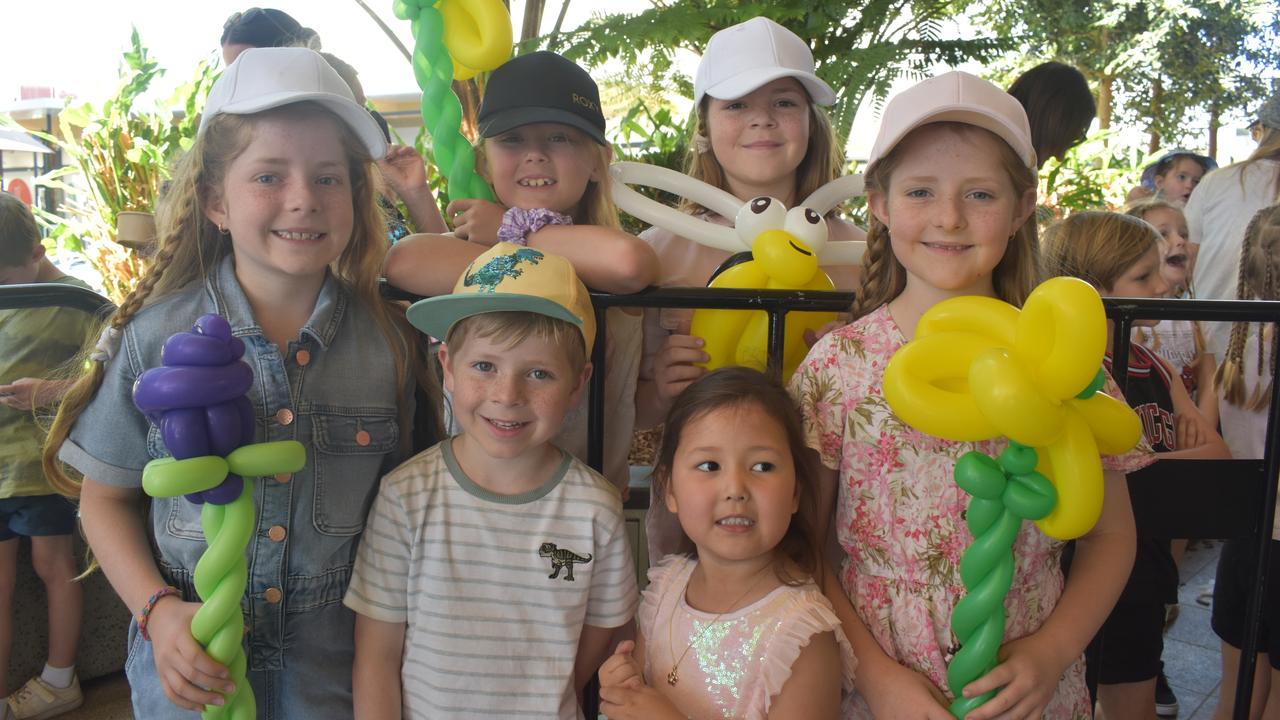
(884, 277)
(1259, 280)
(1268, 149)
(1097, 247)
(1139, 208)
(513, 328)
(191, 245)
(823, 158)
(595, 207)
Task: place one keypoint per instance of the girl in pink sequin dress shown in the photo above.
(739, 630)
(951, 186)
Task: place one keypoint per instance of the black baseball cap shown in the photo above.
(541, 87)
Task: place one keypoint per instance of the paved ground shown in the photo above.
(1192, 658)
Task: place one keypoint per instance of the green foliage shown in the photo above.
(654, 137)
(1095, 175)
(117, 158)
(859, 49)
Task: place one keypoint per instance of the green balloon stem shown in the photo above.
(441, 110)
(222, 574)
(1003, 494)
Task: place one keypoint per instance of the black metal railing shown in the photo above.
(1172, 498)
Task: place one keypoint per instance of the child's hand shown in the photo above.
(1028, 676)
(899, 693)
(643, 703)
(673, 367)
(621, 669)
(188, 675)
(27, 393)
(476, 221)
(404, 170)
(1189, 434)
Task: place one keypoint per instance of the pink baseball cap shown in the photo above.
(955, 97)
(751, 54)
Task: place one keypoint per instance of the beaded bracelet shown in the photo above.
(145, 613)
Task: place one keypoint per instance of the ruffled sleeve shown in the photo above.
(661, 576)
(808, 614)
(1140, 456)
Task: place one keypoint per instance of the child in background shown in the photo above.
(951, 185)
(33, 343)
(1173, 176)
(761, 130)
(1121, 257)
(740, 629)
(545, 155)
(495, 554)
(1179, 342)
(271, 222)
(1244, 388)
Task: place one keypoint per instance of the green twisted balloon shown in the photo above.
(441, 110)
(1004, 493)
(221, 573)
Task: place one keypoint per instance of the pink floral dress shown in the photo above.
(899, 513)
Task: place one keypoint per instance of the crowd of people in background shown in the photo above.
(446, 551)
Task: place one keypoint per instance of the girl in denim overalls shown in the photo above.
(271, 222)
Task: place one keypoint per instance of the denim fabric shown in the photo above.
(344, 410)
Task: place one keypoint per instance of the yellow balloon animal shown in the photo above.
(782, 258)
(979, 368)
(787, 246)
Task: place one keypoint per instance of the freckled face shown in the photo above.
(287, 199)
(950, 209)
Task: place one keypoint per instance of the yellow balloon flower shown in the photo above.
(979, 368)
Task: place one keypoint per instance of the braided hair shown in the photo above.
(1259, 279)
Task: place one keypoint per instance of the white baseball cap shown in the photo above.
(955, 97)
(265, 78)
(742, 58)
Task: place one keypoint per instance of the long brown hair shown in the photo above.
(884, 277)
(735, 387)
(823, 158)
(1268, 149)
(190, 247)
(1259, 280)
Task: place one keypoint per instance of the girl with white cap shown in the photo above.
(761, 130)
(951, 184)
(271, 223)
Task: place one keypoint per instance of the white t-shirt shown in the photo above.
(1244, 430)
(1218, 213)
(494, 589)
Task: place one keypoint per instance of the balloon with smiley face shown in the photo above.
(786, 249)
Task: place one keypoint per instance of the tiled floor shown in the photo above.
(1192, 658)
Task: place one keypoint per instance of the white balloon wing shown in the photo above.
(835, 192)
(625, 174)
(843, 252)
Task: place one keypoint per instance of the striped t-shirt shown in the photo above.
(494, 589)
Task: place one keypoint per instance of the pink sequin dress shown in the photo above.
(738, 662)
(899, 513)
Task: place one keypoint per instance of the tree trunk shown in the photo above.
(1104, 102)
(532, 20)
(1157, 91)
(1214, 120)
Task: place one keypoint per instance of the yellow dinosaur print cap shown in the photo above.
(510, 278)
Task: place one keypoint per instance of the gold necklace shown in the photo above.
(673, 677)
